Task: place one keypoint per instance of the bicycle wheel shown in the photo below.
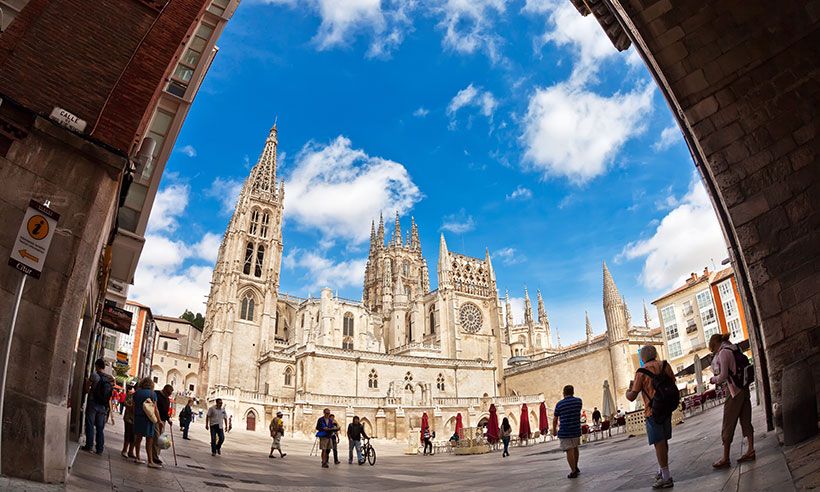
(371, 457)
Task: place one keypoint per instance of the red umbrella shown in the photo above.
(524, 428)
(492, 426)
(543, 424)
(459, 426)
(424, 426)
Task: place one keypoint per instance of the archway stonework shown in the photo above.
(741, 82)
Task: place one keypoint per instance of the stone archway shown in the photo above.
(739, 81)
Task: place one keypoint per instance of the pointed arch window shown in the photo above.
(373, 379)
(260, 257)
(288, 376)
(263, 229)
(440, 382)
(254, 222)
(347, 343)
(348, 325)
(432, 321)
(246, 309)
(246, 269)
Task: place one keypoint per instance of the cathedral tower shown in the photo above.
(617, 329)
(240, 319)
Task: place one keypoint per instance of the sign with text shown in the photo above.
(115, 318)
(34, 238)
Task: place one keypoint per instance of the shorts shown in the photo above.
(277, 442)
(568, 443)
(656, 432)
(324, 443)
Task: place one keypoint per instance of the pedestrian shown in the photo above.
(355, 433)
(128, 423)
(335, 441)
(216, 421)
(277, 430)
(568, 411)
(185, 418)
(325, 432)
(506, 432)
(99, 387)
(596, 417)
(144, 423)
(164, 409)
(738, 407)
(123, 397)
(656, 381)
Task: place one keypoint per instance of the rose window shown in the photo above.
(470, 317)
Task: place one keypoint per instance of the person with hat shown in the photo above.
(99, 387)
(277, 430)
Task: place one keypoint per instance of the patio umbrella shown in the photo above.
(492, 426)
(424, 425)
(524, 426)
(608, 405)
(543, 424)
(698, 374)
(459, 426)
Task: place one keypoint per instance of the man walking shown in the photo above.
(99, 387)
(656, 379)
(164, 410)
(216, 421)
(334, 443)
(355, 433)
(596, 418)
(568, 411)
(325, 427)
(185, 418)
(277, 430)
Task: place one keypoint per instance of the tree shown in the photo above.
(195, 319)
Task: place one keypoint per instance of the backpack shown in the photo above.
(667, 395)
(744, 374)
(102, 390)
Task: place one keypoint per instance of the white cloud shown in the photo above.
(188, 150)
(421, 112)
(473, 96)
(520, 193)
(574, 133)
(321, 271)
(509, 256)
(468, 25)
(171, 293)
(517, 308)
(208, 247)
(226, 191)
(169, 204)
(669, 137)
(687, 239)
(339, 190)
(458, 223)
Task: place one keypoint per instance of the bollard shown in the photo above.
(799, 409)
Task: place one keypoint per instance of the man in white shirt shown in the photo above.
(216, 421)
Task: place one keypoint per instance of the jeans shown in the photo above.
(354, 443)
(335, 450)
(216, 432)
(428, 444)
(185, 429)
(506, 441)
(95, 416)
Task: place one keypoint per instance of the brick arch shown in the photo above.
(739, 82)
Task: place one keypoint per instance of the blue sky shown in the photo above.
(513, 126)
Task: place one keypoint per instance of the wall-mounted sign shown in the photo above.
(68, 120)
(33, 239)
(115, 318)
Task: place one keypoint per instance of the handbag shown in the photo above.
(150, 410)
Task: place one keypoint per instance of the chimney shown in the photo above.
(706, 271)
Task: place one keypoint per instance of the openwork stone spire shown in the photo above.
(397, 231)
(645, 316)
(617, 319)
(380, 234)
(508, 309)
(527, 307)
(589, 327)
(263, 174)
(414, 235)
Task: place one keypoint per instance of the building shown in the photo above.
(84, 128)
(139, 343)
(176, 355)
(691, 313)
(402, 350)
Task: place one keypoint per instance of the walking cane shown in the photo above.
(173, 448)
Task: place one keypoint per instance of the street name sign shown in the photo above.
(34, 238)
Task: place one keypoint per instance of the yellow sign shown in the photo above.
(33, 239)
(37, 227)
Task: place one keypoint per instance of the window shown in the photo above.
(218, 7)
(432, 321)
(406, 267)
(246, 311)
(730, 308)
(248, 259)
(164, 345)
(190, 387)
(687, 308)
(175, 361)
(288, 376)
(708, 332)
(408, 378)
(187, 64)
(110, 343)
(373, 379)
(347, 343)
(254, 222)
(189, 365)
(440, 382)
(708, 316)
(691, 326)
(177, 330)
(735, 329)
(263, 230)
(704, 299)
(303, 320)
(675, 350)
(725, 289)
(156, 380)
(348, 325)
(670, 322)
(260, 257)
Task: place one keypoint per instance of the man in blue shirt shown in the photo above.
(568, 411)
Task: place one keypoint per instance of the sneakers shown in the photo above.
(283, 455)
(324, 465)
(219, 452)
(87, 448)
(663, 484)
(154, 465)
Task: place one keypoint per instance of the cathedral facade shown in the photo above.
(401, 350)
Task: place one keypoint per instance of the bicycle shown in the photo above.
(368, 452)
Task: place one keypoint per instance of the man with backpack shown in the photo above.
(656, 382)
(733, 368)
(99, 387)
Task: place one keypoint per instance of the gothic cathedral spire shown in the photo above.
(263, 175)
(614, 309)
(589, 327)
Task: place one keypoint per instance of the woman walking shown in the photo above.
(506, 431)
(128, 421)
(143, 424)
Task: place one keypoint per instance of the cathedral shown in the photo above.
(402, 349)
